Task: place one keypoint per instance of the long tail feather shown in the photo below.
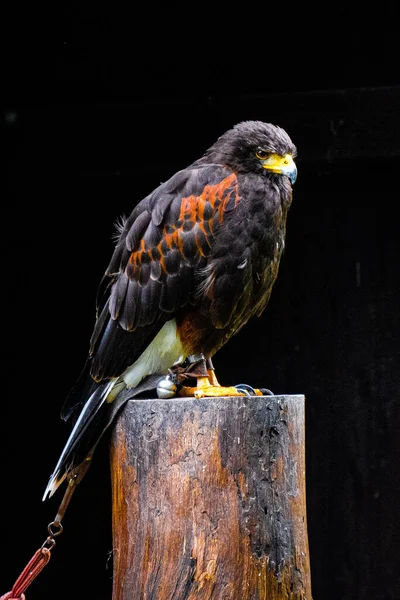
(84, 436)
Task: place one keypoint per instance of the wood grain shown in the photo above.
(209, 500)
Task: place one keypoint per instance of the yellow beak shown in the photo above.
(284, 165)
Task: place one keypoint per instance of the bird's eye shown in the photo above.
(262, 154)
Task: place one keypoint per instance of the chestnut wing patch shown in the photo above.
(165, 240)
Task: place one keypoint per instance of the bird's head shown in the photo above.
(256, 147)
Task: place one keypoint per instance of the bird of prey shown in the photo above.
(194, 261)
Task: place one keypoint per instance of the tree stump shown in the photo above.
(209, 500)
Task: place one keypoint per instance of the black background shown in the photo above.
(98, 108)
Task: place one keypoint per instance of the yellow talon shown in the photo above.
(208, 387)
(216, 392)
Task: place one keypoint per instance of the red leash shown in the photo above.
(42, 556)
(38, 561)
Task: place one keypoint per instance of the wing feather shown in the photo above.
(117, 295)
(137, 230)
(164, 242)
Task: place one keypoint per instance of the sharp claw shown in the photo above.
(266, 392)
(250, 391)
(245, 389)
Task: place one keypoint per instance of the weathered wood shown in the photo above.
(209, 500)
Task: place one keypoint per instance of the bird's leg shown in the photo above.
(208, 385)
(211, 373)
(246, 389)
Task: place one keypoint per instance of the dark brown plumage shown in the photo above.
(195, 260)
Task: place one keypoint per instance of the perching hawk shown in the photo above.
(193, 262)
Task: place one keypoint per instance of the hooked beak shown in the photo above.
(284, 165)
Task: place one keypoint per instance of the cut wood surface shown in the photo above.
(209, 500)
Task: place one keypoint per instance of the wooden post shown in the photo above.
(209, 500)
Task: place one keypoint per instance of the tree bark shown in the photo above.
(209, 500)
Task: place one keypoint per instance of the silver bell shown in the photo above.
(166, 388)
